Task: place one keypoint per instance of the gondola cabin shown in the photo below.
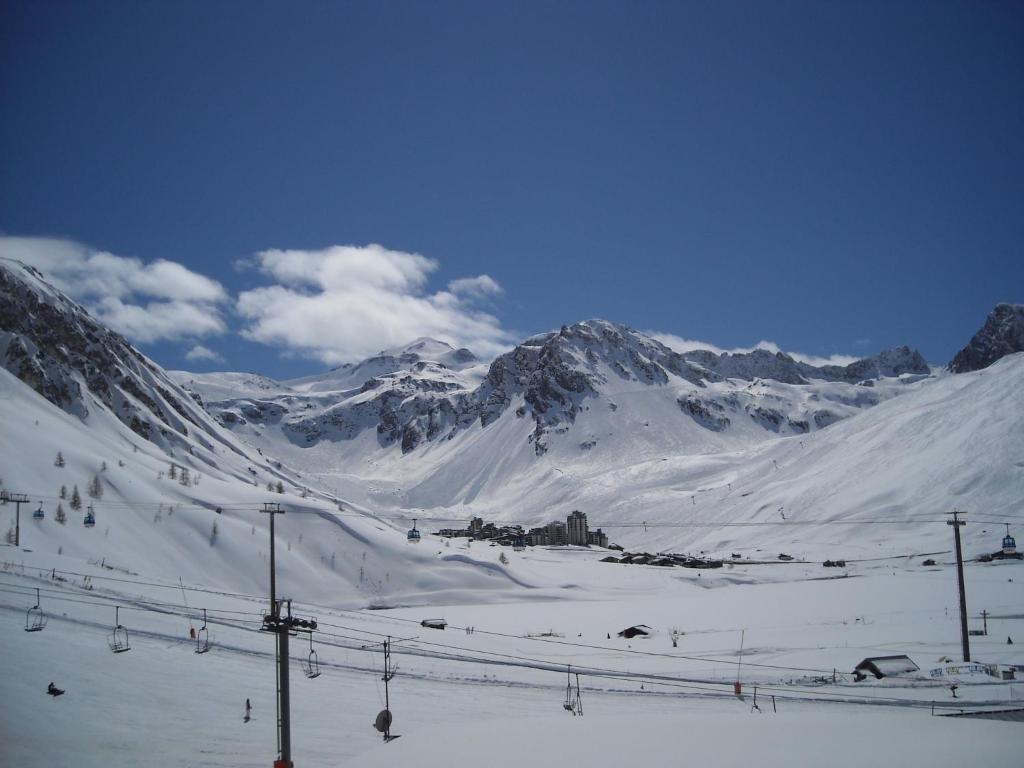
(413, 536)
(39, 514)
(1009, 544)
(90, 518)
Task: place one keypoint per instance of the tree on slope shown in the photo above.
(95, 488)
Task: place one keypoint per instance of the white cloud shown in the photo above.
(146, 301)
(199, 352)
(680, 344)
(475, 287)
(347, 302)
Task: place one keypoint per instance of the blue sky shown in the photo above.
(834, 177)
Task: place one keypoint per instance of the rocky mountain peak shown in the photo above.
(1002, 334)
(56, 347)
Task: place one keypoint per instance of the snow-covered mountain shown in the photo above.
(426, 431)
(410, 398)
(1002, 334)
(594, 416)
(84, 414)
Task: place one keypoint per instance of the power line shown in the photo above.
(298, 508)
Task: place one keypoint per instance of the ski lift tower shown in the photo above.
(284, 627)
(956, 522)
(18, 499)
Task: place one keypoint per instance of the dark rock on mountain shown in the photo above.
(57, 348)
(1002, 334)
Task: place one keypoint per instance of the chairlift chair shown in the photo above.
(39, 514)
(118, 639)
(35, 619)
(311, 667)
(413, 536)
(90, 518)
(203, 637)
(572, 703)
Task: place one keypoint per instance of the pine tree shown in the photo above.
(95, 488)
(59, 461)
(61, 517)
(503, 559)
(76, 499)
(63, 491)
(10, 534)
(280, 487)
(173, 474)
(185, 479)
(213, 533)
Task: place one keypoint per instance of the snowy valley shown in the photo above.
(735, 458)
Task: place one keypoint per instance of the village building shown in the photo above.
(574, 532)
(576, 528)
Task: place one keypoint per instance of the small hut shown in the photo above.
(884, 666)
(641, 630)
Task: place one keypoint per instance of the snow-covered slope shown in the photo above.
(175, 494)
(663, 450)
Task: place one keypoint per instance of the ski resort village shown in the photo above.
(601, 383)
(592, 539)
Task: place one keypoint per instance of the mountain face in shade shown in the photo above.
(1002, 334)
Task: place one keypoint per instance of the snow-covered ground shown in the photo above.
(497, 694)
(872, 489)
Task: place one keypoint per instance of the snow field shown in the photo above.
(162, 704)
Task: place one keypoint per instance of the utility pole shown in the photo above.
(956, 522)
(18, 499)
(984, 619)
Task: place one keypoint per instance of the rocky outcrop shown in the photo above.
(1002, 334)
(54, 346)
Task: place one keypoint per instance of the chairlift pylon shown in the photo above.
(385, 718)
(118, 639)
(35, 619)
(203, 637)
(311, 667)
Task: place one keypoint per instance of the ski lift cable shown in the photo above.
(378, 616)
(170, 607)
(684, 683)
(300, 509)
(681, 683)
(589, 647)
